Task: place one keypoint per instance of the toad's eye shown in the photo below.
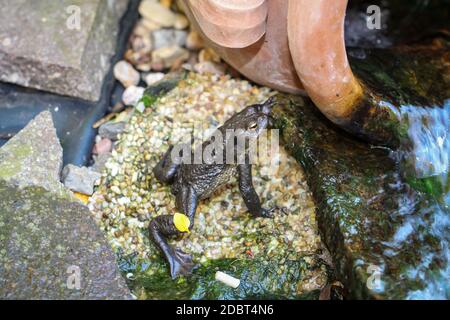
(253, 125)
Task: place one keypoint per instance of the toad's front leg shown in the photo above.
(163, 226)
(249, 194)
(165, 169)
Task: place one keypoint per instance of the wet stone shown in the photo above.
(386, 235)
(52, 249)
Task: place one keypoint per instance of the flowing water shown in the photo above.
(424, 160)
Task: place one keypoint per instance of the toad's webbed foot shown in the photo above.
(269, 213)
(181, 263)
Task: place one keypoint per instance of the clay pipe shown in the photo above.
(231, 23)
(316, 42)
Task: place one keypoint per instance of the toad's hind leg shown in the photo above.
(162, 226)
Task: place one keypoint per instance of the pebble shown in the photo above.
(132, 95)
(125, 73)
(156, 12)
(194, 41)
(166, 3)
(100, 162)
(208, 54)
(140, 107)
(210, 67)
(150, 25)
(181, 22)
(154, 77)
(111, 130)
(102, 147)
(142, 44)
(169, 55)
(80, 179)
(168, 38)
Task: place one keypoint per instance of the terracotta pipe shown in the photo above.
(231, 23)
(316, 42)
(268, 60)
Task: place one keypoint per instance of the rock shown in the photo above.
(152, 78)
(144, 67)
(100, 162)
(157, 13)
(111, 129)
(381, 230)
(142, 45)
(181, 22)
(102, 147)
(150, 25)
(141, 30)
(168, 56)
(43, 47)
(125, 73)
(137, 58)
(194, 41)
(34, 156)
(79, 179)
(140, 107)
(208, 54)
(168, 38)
(210, 67)
(118, 107)
(53, 249)
(166, 3)
(132, 95)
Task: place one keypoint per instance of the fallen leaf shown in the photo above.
(181, 222)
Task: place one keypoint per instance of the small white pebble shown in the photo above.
(140, 107)
(227, 279)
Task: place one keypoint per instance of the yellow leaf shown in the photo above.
(82, 197)
(181, 222)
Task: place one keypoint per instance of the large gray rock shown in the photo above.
(34, 156)
(41, 46)
(51, 248)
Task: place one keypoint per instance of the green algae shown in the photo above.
(260, 279)
(10, 159)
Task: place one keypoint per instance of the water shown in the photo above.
(428, 146)
(424, 159)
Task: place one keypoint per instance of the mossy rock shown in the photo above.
(372, 221)
(47, 243)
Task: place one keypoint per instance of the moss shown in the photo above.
(11, 157)
(260, 279)
(154, 92)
